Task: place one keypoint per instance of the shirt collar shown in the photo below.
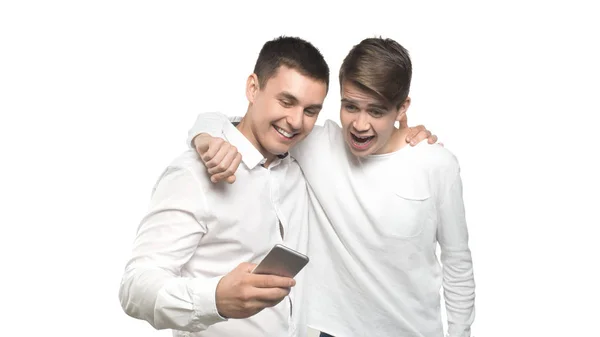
(251, 157)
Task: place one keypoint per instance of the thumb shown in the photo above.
(201, 147)
(202, 143)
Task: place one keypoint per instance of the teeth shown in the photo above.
(361, 139)
(283, 132)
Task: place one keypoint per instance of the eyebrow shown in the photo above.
(294, 100)
(370, 105)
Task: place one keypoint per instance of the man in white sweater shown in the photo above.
(378, 209)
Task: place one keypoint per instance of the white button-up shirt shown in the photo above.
(195, 232)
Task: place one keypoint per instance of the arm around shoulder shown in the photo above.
(211, 123)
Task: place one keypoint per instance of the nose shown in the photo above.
(361, 123)
(295, 118)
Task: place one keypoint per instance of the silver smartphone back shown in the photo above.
(282, 261)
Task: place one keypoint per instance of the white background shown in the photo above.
(96, 97)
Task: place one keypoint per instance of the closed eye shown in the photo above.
(311, 112)
(285, 104)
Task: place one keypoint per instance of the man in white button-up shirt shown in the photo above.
(191, 264)
(379, 208)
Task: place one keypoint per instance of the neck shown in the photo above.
(396, 141)
(245, 127)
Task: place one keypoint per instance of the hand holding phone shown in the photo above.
(241, 294)
(249, 288)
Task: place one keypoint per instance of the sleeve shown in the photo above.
(458, 279)
(152, 288)
(212, 123)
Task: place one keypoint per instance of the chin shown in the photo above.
(278, 150)
(360, 154)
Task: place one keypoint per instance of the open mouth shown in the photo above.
(361, 143)
(284, 133)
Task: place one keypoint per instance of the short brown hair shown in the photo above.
(294, 53)
(381, 66)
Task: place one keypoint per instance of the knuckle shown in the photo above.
(244, 296)
(210, 163)
(271, 282)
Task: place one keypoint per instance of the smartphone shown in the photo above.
(281, 261)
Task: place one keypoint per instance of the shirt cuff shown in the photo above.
(204, 295)
(211, 123)
(463, 331)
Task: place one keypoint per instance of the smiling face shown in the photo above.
(283, 112)
(368, 122)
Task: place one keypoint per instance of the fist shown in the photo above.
(220, 158)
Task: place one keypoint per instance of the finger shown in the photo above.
(419, 137)
(413, 131)
(216, 160)
(211, 149)
(270, 296)
(271, 281)
(432, 139)
(225, 163)
(236, 162)
(223, 176)
(217, 178)
(229, 174)
(256, 305)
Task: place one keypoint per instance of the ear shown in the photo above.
(401, 117)
(252, 87)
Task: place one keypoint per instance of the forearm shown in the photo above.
(169, 302)
(458, 278)
(459, 291)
